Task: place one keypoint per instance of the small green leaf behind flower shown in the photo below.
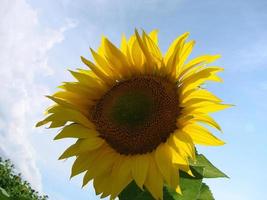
(209, 170)
(190, 186)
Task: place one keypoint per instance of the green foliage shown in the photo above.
(209, 170)
(192, 187)
(133, 192)
(12, 187)
(3, 194)
(205, 193)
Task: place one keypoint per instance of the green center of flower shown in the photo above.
(138, 114)
(132, 108)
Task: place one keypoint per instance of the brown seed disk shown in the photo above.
(146, 132)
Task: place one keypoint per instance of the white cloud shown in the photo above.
(23, 61)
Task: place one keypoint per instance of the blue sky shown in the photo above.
(41, 39)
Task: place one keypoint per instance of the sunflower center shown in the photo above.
(132, 108)
(138, 114)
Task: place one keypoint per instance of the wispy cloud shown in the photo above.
(25, 45)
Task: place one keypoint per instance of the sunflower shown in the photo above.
(136, 114)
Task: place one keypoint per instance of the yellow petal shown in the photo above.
(139, 169)
(175, 45)
(185, 52)
(121, 175)
(102, 184)
(101, 49)
(201, 94)
(82, 162)
(126, 49)
(202, 136)
(70, 151)
(62, 115)
(137, 55)
(172, 55)
(154, 180)
(147, 55)
(113, 53)
(178, 190)
(205, 59)
(101, 62)
(55, 121)
(163, 157)
(97, 71)
(102, 164)
(81, 146)
(104, 161)
(124, 45)
(61, 102)
(154, 36)
(87, 177)
(174, 178)
(84, 90)
(200, 77)
(177, 158)
(86, 79)
(90, 144)
(116, 59)
(152, 47)
(76, 99)
(183, 138)
(204, 108)
(83, 109)
(207, 120)
(76, 131)
(181, 162)
(183, 144)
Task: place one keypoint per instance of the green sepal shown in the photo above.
(190, 186)
(209, 170)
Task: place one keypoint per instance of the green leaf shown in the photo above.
(130, 192)
(144, 196)
(205, 193)
(3, 194)
(190, 186)
(133, 192)
(209, 170)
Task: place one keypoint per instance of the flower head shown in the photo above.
(136, 114)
